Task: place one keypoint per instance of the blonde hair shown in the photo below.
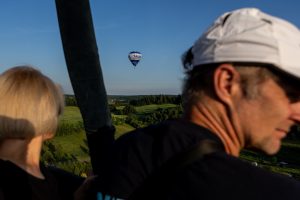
(30, 103)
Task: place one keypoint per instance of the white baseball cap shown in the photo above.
(249, 35)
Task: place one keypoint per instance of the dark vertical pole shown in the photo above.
(82, 59)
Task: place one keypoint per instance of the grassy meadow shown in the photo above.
(71, 143)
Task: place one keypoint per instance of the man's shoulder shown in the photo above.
(157, 143)
(220, 173)
(169, 131)
(222, 164)
(148, 149)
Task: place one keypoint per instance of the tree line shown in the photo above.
(138, 121)
(70, 100)
(156, 99)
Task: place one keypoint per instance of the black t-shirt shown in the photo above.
(15, 183)
(138, 154)
(18, 184)
(219, 176)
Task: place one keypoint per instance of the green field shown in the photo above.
(121, 129)
(71, 115)
(152, 107)
(71, 143)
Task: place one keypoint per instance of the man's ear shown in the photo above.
(226, 82)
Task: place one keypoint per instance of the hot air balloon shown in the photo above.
(134, 57)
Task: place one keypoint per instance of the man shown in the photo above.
(241, 90)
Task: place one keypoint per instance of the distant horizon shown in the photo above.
(132, 94)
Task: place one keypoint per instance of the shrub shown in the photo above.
(52, 155)
(128, 109)
(133, 121)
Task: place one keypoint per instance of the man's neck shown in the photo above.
(216, 118)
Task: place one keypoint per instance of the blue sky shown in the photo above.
(160, 29)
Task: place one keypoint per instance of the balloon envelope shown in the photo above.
(134, 57)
